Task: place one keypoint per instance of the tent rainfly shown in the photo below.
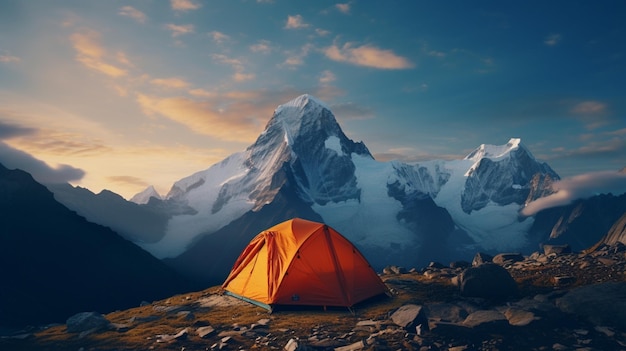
(300, 262)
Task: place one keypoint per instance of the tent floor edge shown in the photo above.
(248, 300)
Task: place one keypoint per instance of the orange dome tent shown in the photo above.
(299, 262)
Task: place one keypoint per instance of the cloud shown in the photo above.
(236, 122)
(63, 144)
(579, 187)
(589, 108)
(552, 39)
(344, 8)
(352, 111)
(592, 113)
(322, 32)
(242, 77)
(296, 22)
(8, 131)
(262, 47)
(218, 37)
(16, 159)
(327, 77)
(133, 13)
(184, 5)
(202, 93)
(128, 180)
(9, 58)
(236, 64)
(368, 56)
(296, 58)
(178, 30)
(170, 83)
(410, 155)
(613, 146)
(123, 59)
(92, 55)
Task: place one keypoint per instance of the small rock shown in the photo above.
(205, 331)
(557, 249)
(507, 258)
(485, 318)
(519, 318)
(167, 337)
(563, 280)
(481, 258)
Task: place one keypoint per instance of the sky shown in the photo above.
(120, 95)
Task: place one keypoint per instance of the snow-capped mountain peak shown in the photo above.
(144, 196)
(495, 152)
(302, 115)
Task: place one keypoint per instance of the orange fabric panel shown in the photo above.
(311, 278)
(249, 279)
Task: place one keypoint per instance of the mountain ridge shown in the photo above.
(55, 263)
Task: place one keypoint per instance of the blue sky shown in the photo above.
(124, 94)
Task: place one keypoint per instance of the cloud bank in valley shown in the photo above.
(580, 187)
(12, 158)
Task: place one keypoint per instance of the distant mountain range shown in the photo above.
(303, 165)
(55, 263)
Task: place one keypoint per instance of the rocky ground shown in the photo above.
(554, 300)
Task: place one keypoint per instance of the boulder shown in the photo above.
(601, 304)
(488, 281)
(411, 317)
(85, 321)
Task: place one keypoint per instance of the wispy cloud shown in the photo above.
(178, 30)
(240, 75)
(133, 13)
(368, 56)
(60, 143)
(606, 146)
(128, 180)
(9, 58)
(296, 58)
(344, 8)
(219, 37)
(296, 22)
(238, 122)
(592, 113)
(184, 5)
(579, 187)
(170, 83)
(322, 32)
(91, 54)
(262, 47)
(327, 77)
(589, 108)
(352, 111)
(552, 39)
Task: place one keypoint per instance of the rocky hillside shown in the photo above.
(553, 300)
